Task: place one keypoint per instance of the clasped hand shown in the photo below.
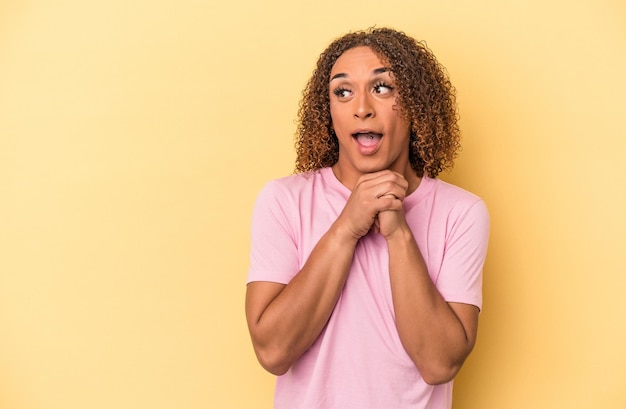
(376, 203)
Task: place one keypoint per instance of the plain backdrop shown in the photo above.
(135, 136)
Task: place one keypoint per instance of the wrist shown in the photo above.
(402, 234)
(342, 234)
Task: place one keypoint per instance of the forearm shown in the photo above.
(284, 329)
(431, 332)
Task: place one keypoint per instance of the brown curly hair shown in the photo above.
(426, 98)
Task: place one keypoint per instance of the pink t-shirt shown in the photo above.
(358, 360)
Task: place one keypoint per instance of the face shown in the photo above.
(372, 133)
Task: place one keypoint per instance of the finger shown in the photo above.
(380, 177)
(376, 225)
(395, 188)
(390, 195)
(389, 202)
(373, 176)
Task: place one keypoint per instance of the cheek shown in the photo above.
(400, 123)
(336, 115)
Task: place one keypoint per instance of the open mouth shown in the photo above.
(367, 138)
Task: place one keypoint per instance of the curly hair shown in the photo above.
(426, 98)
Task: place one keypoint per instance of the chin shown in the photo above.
(371, 168)
(378, 166)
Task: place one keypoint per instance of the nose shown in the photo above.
(363, 106)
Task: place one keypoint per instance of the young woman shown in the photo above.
(364, 286)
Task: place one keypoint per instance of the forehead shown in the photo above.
(357, 59)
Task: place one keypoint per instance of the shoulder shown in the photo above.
(447, 190)
(455, 196)
(291, 190)
(295, 181)
(298, 184)
(453, 202)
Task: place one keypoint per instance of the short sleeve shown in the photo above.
(461, 274)
(273, 248)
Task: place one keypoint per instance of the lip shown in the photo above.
(367, 150)
(364, 130)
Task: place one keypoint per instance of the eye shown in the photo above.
(341, 92)
(382, 88)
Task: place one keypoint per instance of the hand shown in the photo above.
(373, 194)
(389, 222)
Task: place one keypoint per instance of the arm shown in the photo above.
(285, 320)
(438, 336)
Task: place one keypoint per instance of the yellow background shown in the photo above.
(135, 135)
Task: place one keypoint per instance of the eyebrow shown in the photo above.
(377, 71)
